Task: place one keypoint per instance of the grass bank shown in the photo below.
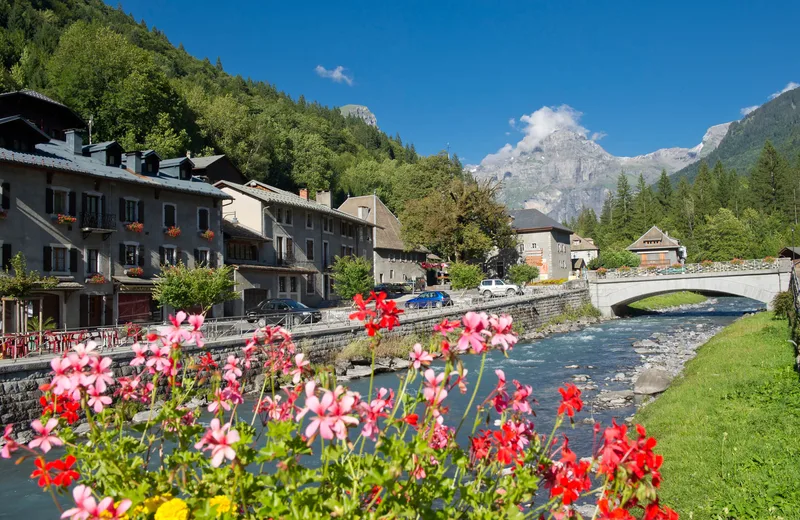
(586, 310)
(664, 301)
(729, 429)
(390, 346)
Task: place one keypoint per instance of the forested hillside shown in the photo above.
(144, 92)
(777, 121)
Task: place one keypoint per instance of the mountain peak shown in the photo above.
(360, 111)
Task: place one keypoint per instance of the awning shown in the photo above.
(275, 269)
(133, 285)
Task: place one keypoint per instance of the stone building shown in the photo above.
(542, 242)
(96, 218)
(393, 260)
(283, 245)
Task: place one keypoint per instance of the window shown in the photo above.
(92, 261)
(344, 251)
(309, 220)
(131, 255)
(288, 217)
(203, 257)
(169, 255)
(350, 230)
(533, 245)
(293, 284)
(343, 228)
(60, 260)
(202, 219)
(281, 284)
(170, 215)
(311, 284)
(60, 202)
(331, 288)
(350, 250)
(391, 274)
(310, 249)
(327, 224)
(279, 215)
(149, 167)
(240, 251)
(131, 211)
(91, 204)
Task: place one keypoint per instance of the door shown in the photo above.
(95, 311)
(326, 286)
(325, 258)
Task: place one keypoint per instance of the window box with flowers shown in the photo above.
(769, 260)
(601, 272)
(135, 227)
(96, 279)
(706, 263)
(173, 231)
(737, 261)
(208, 235)
(135, 272)
(64, 219)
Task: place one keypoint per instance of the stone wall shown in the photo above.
(20, 380)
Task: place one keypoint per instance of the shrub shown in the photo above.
(352, 275)
(676, 265)
(783, 305)
(769, 259)
(551, 281)
(184, 288)
(613, 259)
(737, 261)
(707, 263)
(521, 274)
(465, 276)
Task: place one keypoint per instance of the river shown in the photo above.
(606, 347)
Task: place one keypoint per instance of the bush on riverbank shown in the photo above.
(391, 347)
(664, 301)
(586, 310)
(728, 429)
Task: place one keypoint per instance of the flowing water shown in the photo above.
(605, 347)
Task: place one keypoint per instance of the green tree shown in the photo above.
(165, 140)
(464, 276)
(664, 191)
(586, 224)
(23, 282)
(614, 258)
(769, 178)
(183, 288)
(646, 209)
(704, 192)
(684, 208)
(623, 205)
(521, 274)
(352, 275)
(722, 237)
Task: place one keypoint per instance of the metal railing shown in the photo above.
(781, 264)
(93, 220)
(13, 346)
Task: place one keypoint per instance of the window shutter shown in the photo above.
(169, 216)
(203, 219)
(6, 195)
(73, 260)
(141, 256)
(255, 252)
(72, 205)
(122, 216)
(140, 212)
(48, 200)
(196, 257)
(84, 206)
(103, 208)
(161, 255)
(6, 258)
(84, 310)
(212, 259)
(47, 259)
(122, 254)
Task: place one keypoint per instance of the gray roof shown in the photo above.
(584, 244)
(529, 220)
(654, 238)
(271, 194)
(239, 231)
(166, 163)
(98, 146)
(203, 162)
(39, 95)
(55, 155)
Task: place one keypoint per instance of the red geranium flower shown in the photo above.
(570, 400)
(65, 475)
(42, 472)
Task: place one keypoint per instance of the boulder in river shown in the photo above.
(652, 381)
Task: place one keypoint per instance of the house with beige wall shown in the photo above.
(542, 242)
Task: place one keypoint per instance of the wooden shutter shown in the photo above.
(122, 216)
(212, 259)
(72, 205)
(84, 203)
(6, 187)
(5, 259)
(255, 252)
(48, 200)
(196, 257)
(102, 208)
(73, 260)
(141, 212)
(203, 218)
(141, 256)
(47, 259)
(122, 254)
(169, 215)
(84, 310)
(161, 255)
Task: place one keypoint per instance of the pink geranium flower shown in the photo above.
(446, 326)
(322, 423)
(97, 400)
(10, 446)
(61, 380)
(218, 402)
(87, 508)
(159, 361)
(300, 363)
(219, 439)
(231, 368)
(195, 336)
(176, 334)
(503, 334)
(420, 357)
(474, 333)
(141, 354)
(100, 373)
(44, 441)
(434, 391)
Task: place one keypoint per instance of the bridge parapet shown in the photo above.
(783, 265)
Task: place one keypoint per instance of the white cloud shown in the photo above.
(789, 86)
(512, 122)
(538, 125)
(597, 136)
(747, 110)
(337, 75)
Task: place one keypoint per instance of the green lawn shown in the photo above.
(667, 300)
(729, 429)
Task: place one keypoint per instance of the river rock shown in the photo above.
(400, 363)
(619, 376)
(645, 343)
(652, 381)
(581, 378)
(144, 416)
(572, 367)
(82, 429)
(356, 372)
(341, 367)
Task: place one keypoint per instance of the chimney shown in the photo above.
(74, 141)
(188, 154)
(304, 193)
(324, 198)
(134, 161)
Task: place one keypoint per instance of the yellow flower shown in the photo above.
(222, 503)
(152, 503)
(175, 509)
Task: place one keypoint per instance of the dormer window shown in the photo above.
(149, 167)
(112, 160)
(186, 172)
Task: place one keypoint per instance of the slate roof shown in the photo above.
(203, 162)
(89, 148)
(167, 163)
(271, 194)
(41, 137)
(660, 241)
(388, 234)
(54, 155)
(531, 220)
(229, 229)
(78, 120)
(584, 244)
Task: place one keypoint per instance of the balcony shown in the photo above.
(286, 260)
(100, 223)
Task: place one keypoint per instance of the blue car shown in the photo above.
(429, 299)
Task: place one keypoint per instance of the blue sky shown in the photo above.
(648, 75)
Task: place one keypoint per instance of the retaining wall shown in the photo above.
(20, 380)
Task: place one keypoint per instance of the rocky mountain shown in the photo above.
(361, 112)
(567, 171)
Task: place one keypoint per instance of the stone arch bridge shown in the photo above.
(757, 279)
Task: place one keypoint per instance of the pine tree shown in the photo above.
(768, 183)
(646, 209)
(586, 225)
(683, 204)
(607, 213)
(623, 205)
(705, 193)
(664, 191)
(723, 181)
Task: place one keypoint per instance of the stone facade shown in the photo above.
(20, 380)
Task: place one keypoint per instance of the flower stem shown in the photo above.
(474, 393)
(260, 397)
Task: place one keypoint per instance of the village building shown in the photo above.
(582, 251)
(542, 242)
(657, 249)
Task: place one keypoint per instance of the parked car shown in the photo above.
(283, 311)
(391, 289)
(498, 287)
(429, 299)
